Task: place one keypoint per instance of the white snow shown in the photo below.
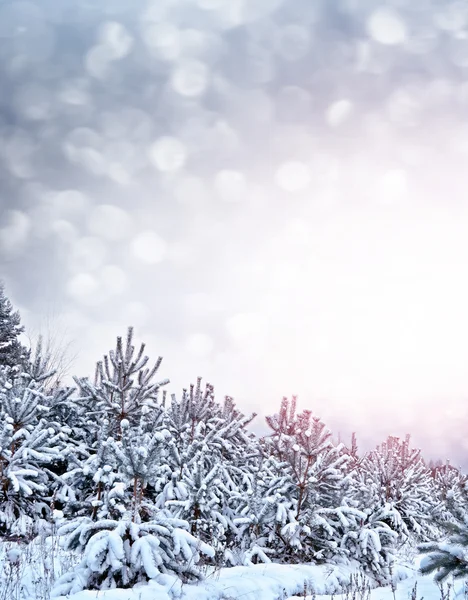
(269, 582)
(42, 561)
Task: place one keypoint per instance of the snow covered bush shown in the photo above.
(12, 353)
(123, 387)
(397, 484)
(209, 452)
(317, 470)
(451, 491)
(123, 553)
(32, 446)
(262, 509)
(447, 558)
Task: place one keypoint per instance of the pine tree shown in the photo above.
(12, 352)
(144, 541)
(317, 469)
(262, 507)
(31, 447)
(395, 480)
(124, 553)
(370, 540)
(209, 449)
(123, 386)
(448, 558)
(451, 489)
(88, 487)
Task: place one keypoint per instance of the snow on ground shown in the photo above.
(28, 572)
(258, 582)
(426, 589)
(274, 582)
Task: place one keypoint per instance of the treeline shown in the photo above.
(141, 483)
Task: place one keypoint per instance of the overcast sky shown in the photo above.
(274, 192)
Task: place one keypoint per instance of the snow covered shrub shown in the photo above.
(31, 447)
(209, 451)
(124, 386)
(124, 553)
(451, 489)
(395, 482)
(447, 558)
(371, 541)
(262, 507)
(12, 353)
(317, 471)
(12, 571)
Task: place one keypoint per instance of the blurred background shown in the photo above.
(274, 192)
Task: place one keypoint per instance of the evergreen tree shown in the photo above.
(262, 507)
(32, 446)
(448, 558)
(451, 489)
(123, 553)
(123, 386)
(12, 352)
(395, 481)
(317, 470)
(144, 541)
(370, 540)
(209, 450)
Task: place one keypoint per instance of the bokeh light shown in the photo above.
(272, 192)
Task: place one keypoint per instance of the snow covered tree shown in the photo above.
(12, 352)
(33, 445)
(447, 558)
(144, 541)
(451, 489)
(30, 447)
(123, 553)
(88, 487)
(200, 500)
(209, 449)
(317, 469)
(316, 464)
(123, 386)
(262, 507)
(394, 478)
(371, 541)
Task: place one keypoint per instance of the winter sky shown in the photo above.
(274, 192)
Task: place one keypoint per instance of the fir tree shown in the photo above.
(145, 541)
(451, 490)
(31, 446)
(123, 386)
(12, 352)
(395, 480)
(209, 449)
(448, 558)
(317, 469)
(263, 508)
